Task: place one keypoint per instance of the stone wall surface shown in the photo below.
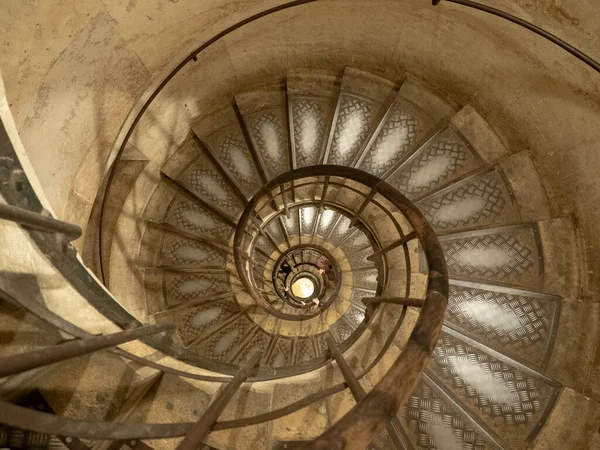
(74, 72)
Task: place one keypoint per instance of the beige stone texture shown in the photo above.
(572, 424)
(527, 187)
(74, 71)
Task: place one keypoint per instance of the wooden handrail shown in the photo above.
(360, 426)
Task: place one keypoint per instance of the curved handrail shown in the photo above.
(25, 418)
(359, 427)
(193, 56)
(529, 26)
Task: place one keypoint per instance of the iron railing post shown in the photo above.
(195, 438)
(14, 364)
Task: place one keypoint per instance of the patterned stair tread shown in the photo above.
(509, 399)
(506, 255)
(518, 323)
(480, 200)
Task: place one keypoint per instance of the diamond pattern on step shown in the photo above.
(263, 264)
(359, 259)
(395, 141)
(432, 423)
(265, 244)
(478, 201)
(326, 221)
(308, 215)
(366, 278)
(206, 181)
(194, 322)
(321, 344)
(340, 230)
(308, 117)
(446, 158)
(232, 153)
(511, 322)
(351, 129)
(270, 141)
(291, 222)
(305, 351)
(259, 343)
(356, 298)
(189, 216)
(507, 255)
(383, 441)
(274, 230)
(357, 241)
(509, 401)
(307, 192)
(183, 288)
(182, 251)
(282, 353)
(220, 346)
(354, 315)
(342, 330)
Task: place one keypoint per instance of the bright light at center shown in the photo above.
(303, 288)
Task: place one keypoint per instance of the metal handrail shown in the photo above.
(529, 26)
(372, 413)
(422, 338)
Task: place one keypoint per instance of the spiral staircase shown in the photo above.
(280, 268)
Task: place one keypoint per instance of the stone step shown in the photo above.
(362, 102)
(312, 99)
(411, 119)
(202, 180)
(264, 116)
(223, 136)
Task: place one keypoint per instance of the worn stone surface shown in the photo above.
(561, 257)
(527, 187)
(90, 387)
(572, 424)
(307, 423)
(575, 345)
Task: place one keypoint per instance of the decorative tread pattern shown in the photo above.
(508, 400)
(354, 121)
(507, 255)
(308, 216)
(445, 158)
(326, 221)
(403, 128)
(188, 215)
(206, 181)
(282, 353)
(366, 278)
(194, 322)
(308, 119)
(258, 343)
(478, 201)
(274, 230)
(509, 321)
(355, 315)
(232, 152)
(357, 295)
(342, 330)
(182, 251)
(305, 351)
(432, 423)
(359, 259)
(220, 346)
(355, 242)
(341, 230)
(270, 140)
(183, 288)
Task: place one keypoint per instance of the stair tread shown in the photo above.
(264, 116)
(223, 137)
